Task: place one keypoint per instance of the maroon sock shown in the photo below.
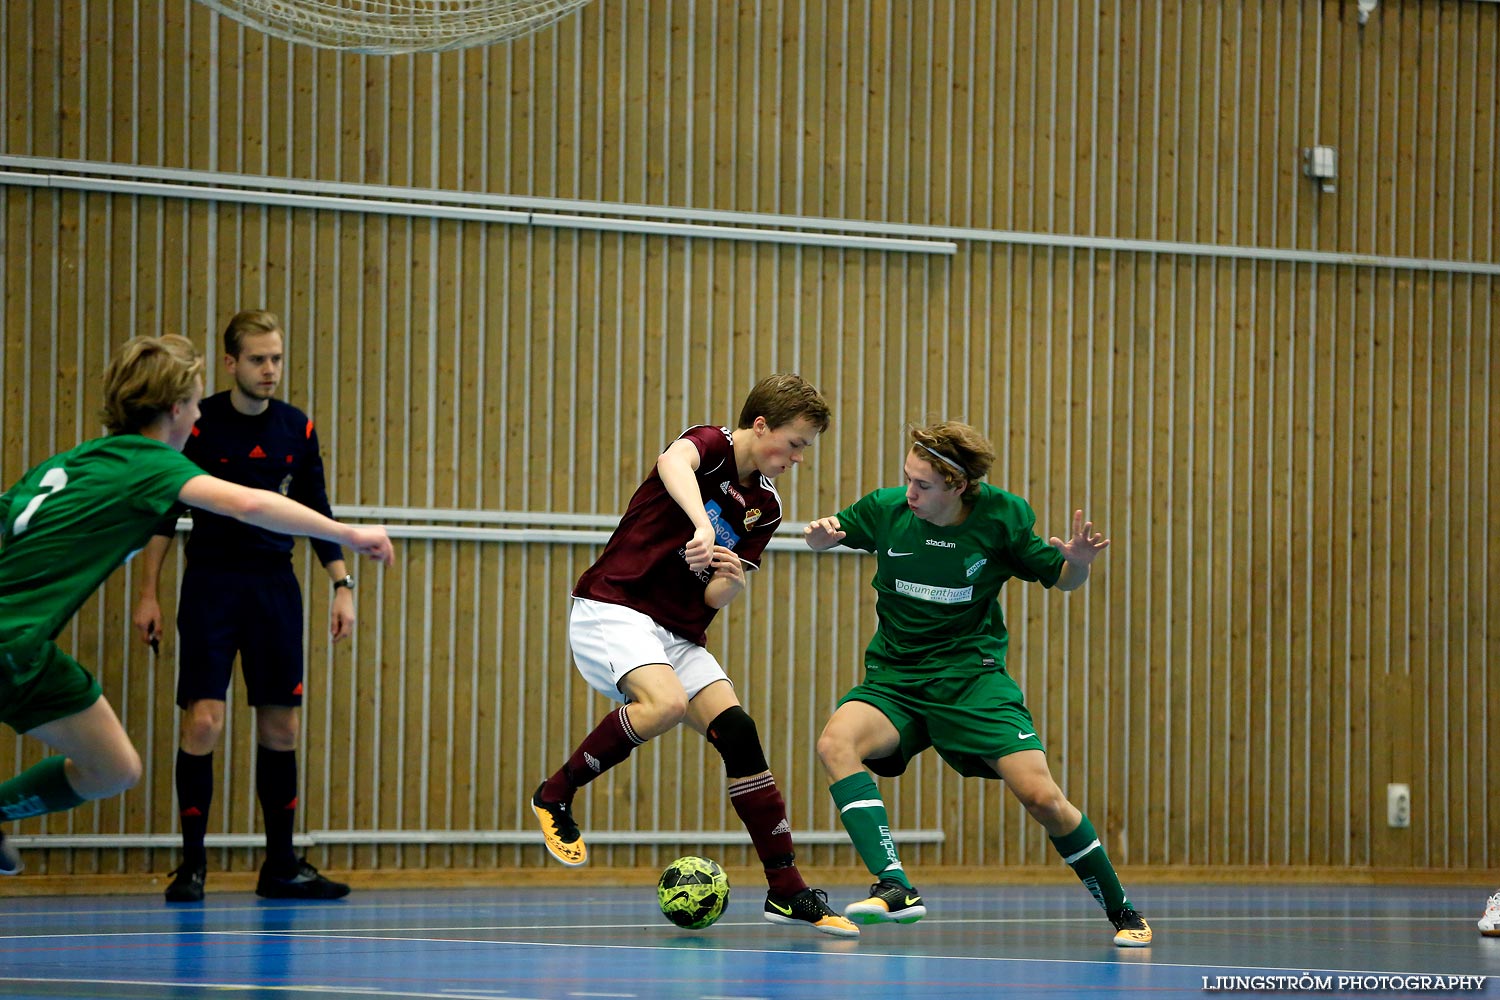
(763, 811)
(609, 743)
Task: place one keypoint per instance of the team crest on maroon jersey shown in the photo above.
(751, 516)
(728, 490)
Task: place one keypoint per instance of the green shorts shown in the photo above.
(969, 720)
(56, 687)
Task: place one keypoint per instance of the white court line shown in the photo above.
(850, 953)
(375, 933)
(378, 931)
(363, 991)
(563, 902)
(340, 906)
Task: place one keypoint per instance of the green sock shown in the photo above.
(1085, 855)
(863, 814)
(41, 788)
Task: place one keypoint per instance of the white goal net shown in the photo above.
(388, 27)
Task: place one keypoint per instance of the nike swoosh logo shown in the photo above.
(893, 552)
(1024, 736)
(913, 900)
(785, 911)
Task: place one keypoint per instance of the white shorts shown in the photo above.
(611, 640)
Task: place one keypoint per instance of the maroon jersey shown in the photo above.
(642, 566)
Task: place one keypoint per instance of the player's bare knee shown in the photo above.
(113, 772)
(672, 711)
(836, 752)
(652, 716)
(200, 734)
(1047, 805)
(128, 769)
(280, 741)
(277, 728)
(202, 725)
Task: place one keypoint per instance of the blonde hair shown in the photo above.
(783, 398)
(248, 323)
(145, 378)
(955, 451)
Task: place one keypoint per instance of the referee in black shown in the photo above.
(240, 595)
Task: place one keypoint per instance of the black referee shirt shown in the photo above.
(275, 450)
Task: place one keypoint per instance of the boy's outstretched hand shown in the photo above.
(824, 533)
(1084, 545)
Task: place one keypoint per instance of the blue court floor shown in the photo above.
(559, 944)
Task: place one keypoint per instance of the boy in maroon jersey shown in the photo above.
(640, 613)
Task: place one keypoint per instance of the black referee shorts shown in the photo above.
(255, 613)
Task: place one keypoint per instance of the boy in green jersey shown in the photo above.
(66, 526)
(935, 669)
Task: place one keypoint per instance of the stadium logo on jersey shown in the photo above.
(939, 543)
(751, 516)
(974, 564)
(729, 490)
(725, 535)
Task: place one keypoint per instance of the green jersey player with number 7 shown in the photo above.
(66, 526)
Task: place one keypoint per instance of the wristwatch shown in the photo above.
(347, 581)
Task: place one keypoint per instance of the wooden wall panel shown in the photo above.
(1292, 457)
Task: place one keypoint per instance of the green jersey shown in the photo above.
(69, 523)
(937, 586)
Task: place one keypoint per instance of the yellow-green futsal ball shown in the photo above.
(693, 892)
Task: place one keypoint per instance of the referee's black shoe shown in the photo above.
(187, 883)
(302, 882)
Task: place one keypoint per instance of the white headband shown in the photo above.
(945, 460)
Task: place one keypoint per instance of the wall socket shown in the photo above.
(1398, 806)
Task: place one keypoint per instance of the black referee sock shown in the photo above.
(276, 786)
(195, 793)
